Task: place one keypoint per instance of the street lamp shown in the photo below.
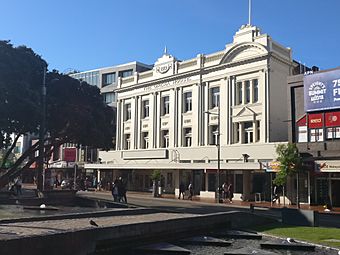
(42, 130)
(42, 127)
(218, 144)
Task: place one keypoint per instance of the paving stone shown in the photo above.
(249, 251)
(163, 248)
(284, 245)
(238, 234)
(205, 240)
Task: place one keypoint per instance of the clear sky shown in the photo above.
(89, 34)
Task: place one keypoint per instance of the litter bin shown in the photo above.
(159, 189)
(154, 189)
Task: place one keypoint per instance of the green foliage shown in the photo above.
(156, 175)
(324, 236)
(290, 162)
(75, 111)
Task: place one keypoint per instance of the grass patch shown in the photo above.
(325, 236)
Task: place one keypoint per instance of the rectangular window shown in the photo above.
(108, 79)
(127, 111)
(239, 93)
(302, 134)
(247, 88)
(214, 97)
(145, 140)
(108, 97)
(187, 137)
(146, 108)
(187, 102)
(238, 183)
(166, 105)
(333, 133)
(127, 142)
(165, 139)
(316, 135)
(126, 73)
(248, 132)
(214, 137)
(255, 90)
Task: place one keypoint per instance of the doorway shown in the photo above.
(335, 192)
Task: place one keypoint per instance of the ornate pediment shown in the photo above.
(244, 112)
(243, 52)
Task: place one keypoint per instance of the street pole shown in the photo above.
(75, 177)
(40, 179)
(218, 154)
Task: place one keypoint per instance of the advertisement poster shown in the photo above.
(322, 91)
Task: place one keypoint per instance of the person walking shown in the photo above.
(181, 190)
(191, 191)
(230, 192)
(225, 191)
(115, 190)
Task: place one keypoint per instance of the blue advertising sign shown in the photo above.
(322, 91)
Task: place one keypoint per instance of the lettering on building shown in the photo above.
(167, 84)
(164, 68)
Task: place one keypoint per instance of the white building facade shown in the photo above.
(168, 119)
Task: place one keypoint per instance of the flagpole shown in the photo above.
(249, 13)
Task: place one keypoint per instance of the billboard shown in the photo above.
(322, 91)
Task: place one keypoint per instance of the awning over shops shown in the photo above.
(224, 166)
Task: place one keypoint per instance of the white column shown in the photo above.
(132, 124)
(118, 126)
(195, 115)
(139, 121)
(229, 131)
(224, 102)
(158, 119)
(173, 118)
(122, 108)
(251, 83)
(136, 122)
(241, 131)
(265, 123)
(243, 92)
(206, 116)
(179, 126)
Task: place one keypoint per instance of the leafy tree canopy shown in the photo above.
(75, 111)
(290, 162)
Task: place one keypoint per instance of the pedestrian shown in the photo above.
(191, 191)
(124, 191)
(230, 192)
(115, 190)
(275, 193)
(181, 190)
(225, 191)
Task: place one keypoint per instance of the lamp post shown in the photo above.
(40, 179)
(218, 144)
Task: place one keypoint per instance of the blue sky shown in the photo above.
(89, 34)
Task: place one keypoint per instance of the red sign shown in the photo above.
(302, 122)
(332, 119)
(315, 120)
(70, 154)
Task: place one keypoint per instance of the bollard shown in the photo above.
(251, 208)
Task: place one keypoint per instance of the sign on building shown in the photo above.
(322, 91)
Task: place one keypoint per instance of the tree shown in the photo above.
(290, 163)
(75, 112)
(156, 175)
